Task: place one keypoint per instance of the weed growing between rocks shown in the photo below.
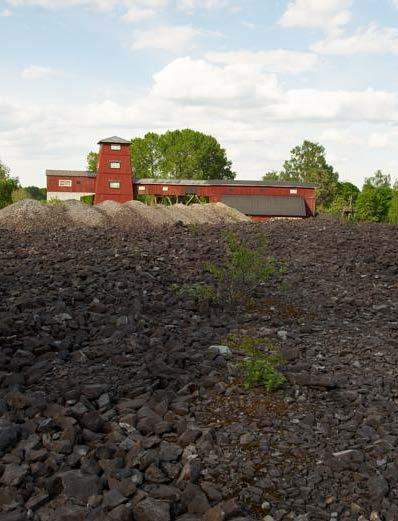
(260, 365)
(235, 280)
(243, 270)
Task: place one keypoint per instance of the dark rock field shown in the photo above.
(113, 407)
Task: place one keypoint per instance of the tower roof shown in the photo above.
(114, 140)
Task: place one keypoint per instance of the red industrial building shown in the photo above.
(114, 181)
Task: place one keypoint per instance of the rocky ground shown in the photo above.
(112, 405)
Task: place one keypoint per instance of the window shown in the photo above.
(165, 189)
(114, 184)
(141, 188)
(115, 164)
(116, 147)
(293, 191)
(65, 182)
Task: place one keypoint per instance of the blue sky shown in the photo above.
(260, 75)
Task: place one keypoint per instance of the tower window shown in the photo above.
(65, 182)
(115, 164)
(114, 184)
(116, 147)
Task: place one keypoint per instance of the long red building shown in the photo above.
(114, 181)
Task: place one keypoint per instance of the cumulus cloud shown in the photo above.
(188, 5)
(371, 40)
(275, 61)
(318, 105)
(199, 80)
(172, 38)
(134, 10)
(386, 139)
(37, 72)
(327, 15)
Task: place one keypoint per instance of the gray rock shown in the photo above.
(78, 485)
(151, 510)
(219, 350)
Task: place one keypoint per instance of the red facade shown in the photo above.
(216, 192)
(81, 183)
(113, 180)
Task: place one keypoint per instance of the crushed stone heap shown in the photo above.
(30, 214)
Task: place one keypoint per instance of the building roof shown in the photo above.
(70, 173)
(114, 140)
(267, 205)
(221, 182)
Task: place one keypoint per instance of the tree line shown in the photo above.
(376, 202)
(11, 190)
(188, 154)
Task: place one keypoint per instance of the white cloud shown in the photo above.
(387, 139)
(188, 79)
(134, 10)
(371, 40)
(327, 15)
(339, 135)
(169, 38)
(275, 61)
(137, 14)
(317, 105)
(188, 5)
(36, 72)
(6, 12)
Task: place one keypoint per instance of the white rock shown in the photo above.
(221, 350)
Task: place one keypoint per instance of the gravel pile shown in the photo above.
(31, 214)
(82, 215)
(115, 403)
(24, 213)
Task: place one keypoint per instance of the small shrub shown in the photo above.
(259, 367)
(52, 200)
(150, 200)
(20, 194)
(261, 370)
(87, 199)
(200, 292)
(244, 269)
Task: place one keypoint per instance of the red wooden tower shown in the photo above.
(114, 174)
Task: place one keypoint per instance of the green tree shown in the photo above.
(379, 180)
(272, 175)
(180, 154)
(393, 210)
(40, 194)
(20, 194)
(92, 158)
(146, 156)
(308, 164)
(7, 185)
(373, 203)
(187, 154)
(346, 196)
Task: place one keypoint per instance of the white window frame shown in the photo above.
(115, 164)
(65, 183)
(141, 188)
(114, 184)
(293, 191)
(116, 147)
